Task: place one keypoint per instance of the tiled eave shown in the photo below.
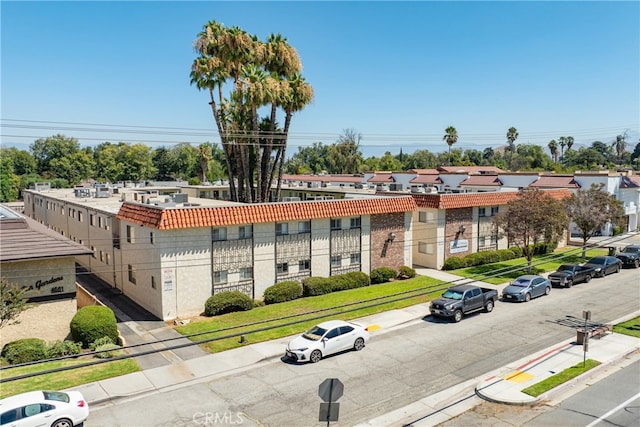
(466, 200)
(176, 218)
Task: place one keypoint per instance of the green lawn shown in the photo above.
(630, 327)
(560, 378)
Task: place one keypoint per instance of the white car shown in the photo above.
(327, 338)
(44, 408)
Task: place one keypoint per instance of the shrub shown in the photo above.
(352, 280)
(100, 341)
(283, 291)
(517, 251)
(382, 275)
(454, 263)
(475, 259)
(542, 248)
(505, 254)
(63, 348)
(406, 272)
(93, 322)
(617, 230)
(24, 350)
(227, 302)
(258, 303)
(107, 351)
(312, 286)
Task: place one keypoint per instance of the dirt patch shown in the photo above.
(46, 320)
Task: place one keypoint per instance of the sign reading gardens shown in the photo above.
(47, 286)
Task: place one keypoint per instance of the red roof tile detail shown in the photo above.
(555, 182)
(175, 218)
(426, 179)
(382, 177)
(466, 200)
(482, 180)
(469, 169)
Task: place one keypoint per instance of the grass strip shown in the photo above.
(630, 327)
(560, 378)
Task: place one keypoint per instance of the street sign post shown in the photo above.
(586, 314)
(330, 390)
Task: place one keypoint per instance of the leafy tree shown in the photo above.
(587, 158)
(533, 217)
(311, 159)
(592, 209)
(184, 161)
(553, 148)
(54, 147)
(12, 303)
(488, 154)
(261, 75)
(603, 149)
(420, 159)
(344, 156)
(635, 156)
(473, 157)
(389, 162)
(22, 162)
(138, 163)
(450, 137)
(9, 181)
(73, 167)
(107, 160)
(161, 159)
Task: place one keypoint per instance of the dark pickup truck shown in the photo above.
(463, 299)
(630, 256)
(570, 274)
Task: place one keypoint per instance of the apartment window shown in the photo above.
(481, 241)
(494, 210)
(482, 212)
(107, 258)
(304, 227)
(494, 240)
(219, 234)
(336, 260)
(100, 221)
(93, 250)
(80, 217)
(355, 222)
(355, 259)
(132, 273)
(152, 238)
(304, 265)
(282, 268)
(153, 282)
(246, 273)
(336, 224)
(282, 228)
(92, 220)
(425, 248)
(422, 217)
(101, 256)
(245, 232)
(130, 233)
(219, 277)
(70, 212)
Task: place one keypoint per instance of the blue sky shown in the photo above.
(398, 73)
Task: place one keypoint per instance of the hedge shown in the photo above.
(382, 275)
(24, 350)
(454, 263)
(406, 272)
(63, 348)
(352, 280)
(313, 286)
(227, 302)
(283, 291)
(93, 322)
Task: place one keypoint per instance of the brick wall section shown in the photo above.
(454, 219)
(385, 254)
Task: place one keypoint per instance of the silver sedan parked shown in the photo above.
(526, 287)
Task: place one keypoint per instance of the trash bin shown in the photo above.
(612, 251)
(581, 332)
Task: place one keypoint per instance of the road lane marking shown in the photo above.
(518, 377)
(602, 418)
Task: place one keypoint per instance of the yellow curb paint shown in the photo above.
(518, 377)
(373, 328)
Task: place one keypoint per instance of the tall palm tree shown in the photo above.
(553, 148)
(512, 135)
(570, 142)
(563, 142)
(619, 145)
(451, 137)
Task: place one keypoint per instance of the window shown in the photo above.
(92, 219)
(246, 273)
(130, 233)
(245, 232)
(422, 217)
(132, 273)
(481, 241)
(425, 248)
(336, 224)
(93, 250)
(355, 259)
(355, 222)
(494, 239)
(282, 268)
(107, 258)
(80, 216)
(304, 265)
(336, 261)
(151, 238)
(153, 282)
(304, 227)
(101, 256)
(494, 210)
(282, 228)
(100, 222)
(332, 333)
(482, 212)
(219, 277)
(219, 234)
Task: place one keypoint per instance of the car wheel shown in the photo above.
(569, 283)
(617, 269)
(587, 278)
(527, 297)
(63, 422)
(315, 357)
(489, 307)
(457, 316)
(636, 263)
(359, 344)
(547, 290)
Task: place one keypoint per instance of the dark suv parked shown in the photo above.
(630, 256)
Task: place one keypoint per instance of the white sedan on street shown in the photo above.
(327, 338)
(44, 408)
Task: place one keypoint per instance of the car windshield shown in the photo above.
(631, 250)
(523, 283)
(315, 333)
(596, 261)
(56, 395)
(565, 267)
(452, 294)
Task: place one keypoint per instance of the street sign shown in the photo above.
(586, 314)
(330, 390)
(329, 411)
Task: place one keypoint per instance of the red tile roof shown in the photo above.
(175, 218)
(482, 180)
(426, 179)
(466, 200)
(382, 177)
(469, 169)
(630, 182)
(323, 178)
(563, 181)
(425, 171)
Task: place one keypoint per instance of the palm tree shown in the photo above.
(619, 145)
(451, 137)
(553, 148)
(570, 142)
(512, 135)
(563, 142)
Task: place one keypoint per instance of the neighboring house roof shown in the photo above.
(482, 181)
(630, 182)
(323, 178)
(425, 171)
(562, 181)
(382, 178)
(467, 200)
(25, 239)
(175, 218)
(426, 179)
(470, 169)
